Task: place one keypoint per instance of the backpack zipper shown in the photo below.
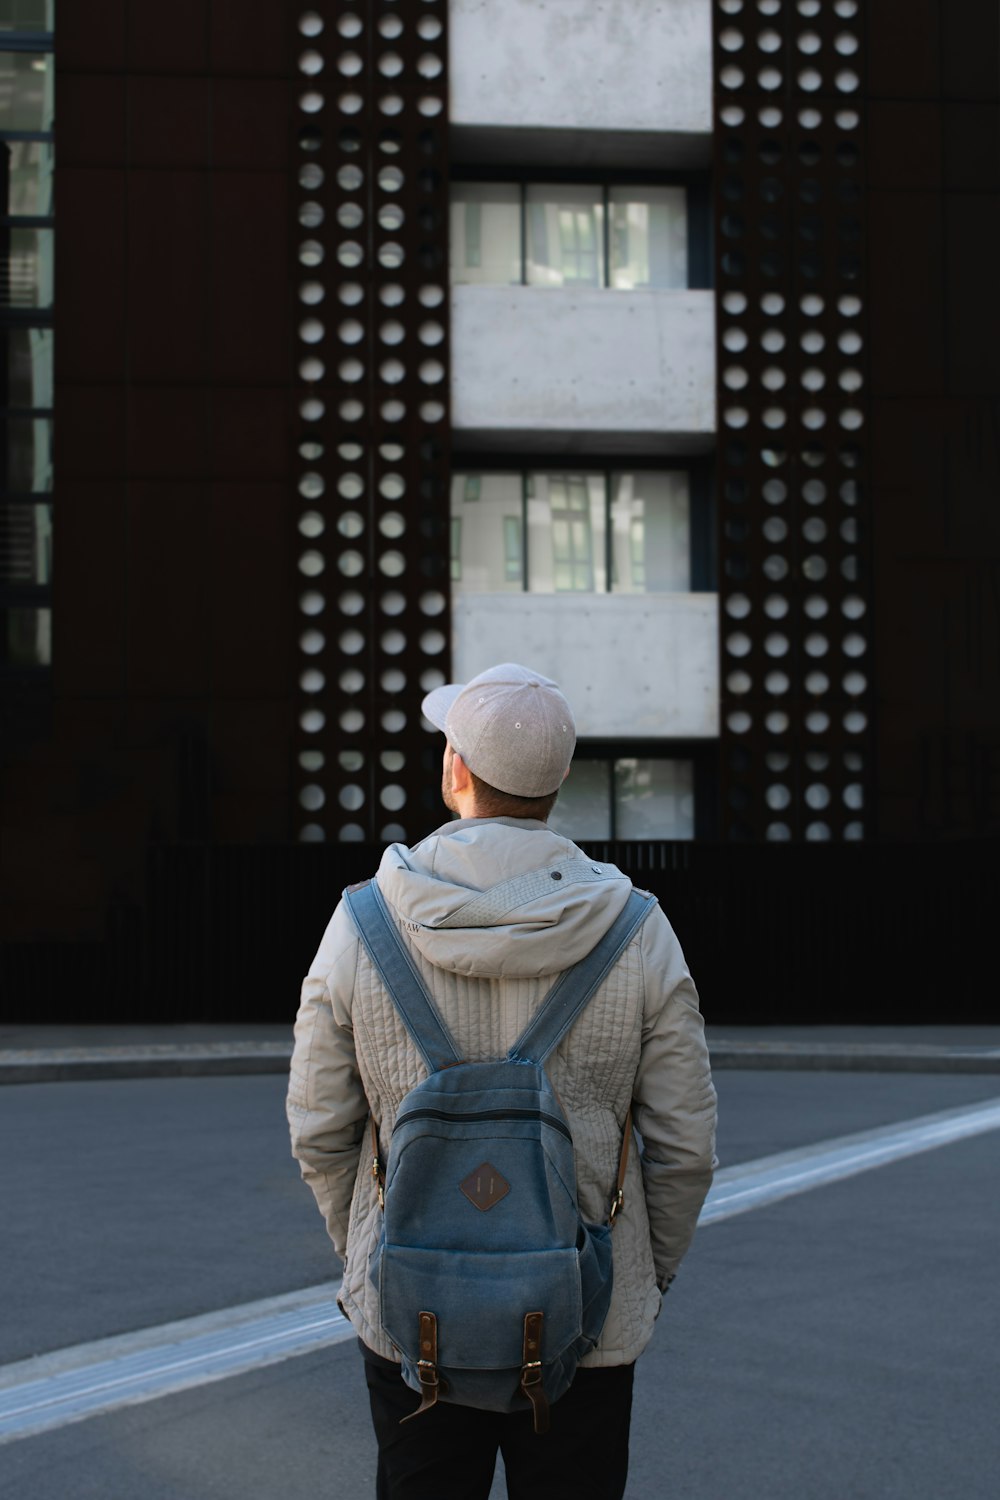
(485, 1114)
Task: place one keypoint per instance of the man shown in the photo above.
(510, 737)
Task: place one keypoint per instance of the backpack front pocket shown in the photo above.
(480, 1300)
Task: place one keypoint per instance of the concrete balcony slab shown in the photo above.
(554, 365)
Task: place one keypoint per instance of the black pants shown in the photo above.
(450, 1452)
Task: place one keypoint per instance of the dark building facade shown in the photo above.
(228, 544)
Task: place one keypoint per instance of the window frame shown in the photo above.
(701, 259)
(700, 471)
(19, 594)
(704, 758)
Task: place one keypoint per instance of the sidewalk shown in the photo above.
(49, 1054)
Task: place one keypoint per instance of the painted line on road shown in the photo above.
(89, 1380)
(769, 1179)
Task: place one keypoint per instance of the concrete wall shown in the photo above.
(631, 665)
(621, 65)
(554, 363)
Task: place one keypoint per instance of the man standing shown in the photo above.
(491, 908)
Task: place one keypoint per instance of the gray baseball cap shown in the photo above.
(510, 725)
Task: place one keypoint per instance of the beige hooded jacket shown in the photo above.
(492, 910)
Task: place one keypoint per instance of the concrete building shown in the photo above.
(353, 346)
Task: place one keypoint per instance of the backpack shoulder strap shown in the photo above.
(398, 973)
(575, 986)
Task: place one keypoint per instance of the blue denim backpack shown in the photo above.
(491, 1286)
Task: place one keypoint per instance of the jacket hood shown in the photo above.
(501, 897)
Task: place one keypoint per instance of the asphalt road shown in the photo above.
(841, 1344)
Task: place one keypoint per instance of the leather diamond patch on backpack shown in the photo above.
(484, 1187)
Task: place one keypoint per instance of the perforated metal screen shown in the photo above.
(372, 326)
(793, 496)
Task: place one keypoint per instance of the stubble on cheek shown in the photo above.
(447, 796)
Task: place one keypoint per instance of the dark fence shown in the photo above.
(773, 933)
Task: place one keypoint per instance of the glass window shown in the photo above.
(565, 235)
(563, 240)
(29, 367)
(26, 637)
(27, 15)
(630, 798)
(487, 533)
(566, 533)
(583, 807)
(26, 454)
(456, 549)
(29, 167)
(654, 799)
(648, 237)
(26, 91)
(26, 544)
(486, 233)
(26, 268)
(513, 551)
(651, 532)
(556, 540)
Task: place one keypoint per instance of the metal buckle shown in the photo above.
(617, 1204)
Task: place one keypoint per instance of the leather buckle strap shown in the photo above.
(531, 1371)
(431, 1383)
(618, 1196)
(378, 1172)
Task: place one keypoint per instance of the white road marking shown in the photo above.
(92, 1379)
(755, 1184)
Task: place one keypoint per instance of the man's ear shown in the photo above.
(461, 779)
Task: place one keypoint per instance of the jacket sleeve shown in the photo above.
(674, 1099)
(326, 1104)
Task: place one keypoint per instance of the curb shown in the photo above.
(87, 1064)
(91, 1064)
(862, 1057)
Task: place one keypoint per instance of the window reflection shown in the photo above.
(486, 233)
(628, 237)
(26, 637)
(649, 237)
(547, 532)
(27, 79)
(654, 799)
(513, 550)
(26, 90)
(26, 544)
(583, 807)
(566, 533)
(27, 168)
(565, 236)
(487, 531)
(634, 797)
(29, 367)
(26, 455)
(651, 530)
(26, 267)
(27, 15)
